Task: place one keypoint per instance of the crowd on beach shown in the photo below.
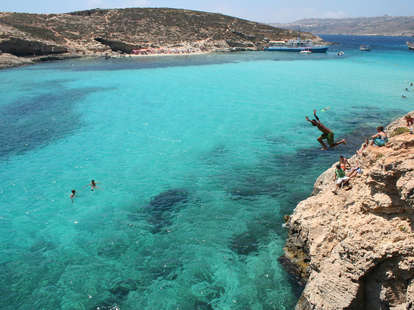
(344, 171)
(166, 51)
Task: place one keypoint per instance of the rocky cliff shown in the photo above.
(104, 32)
(355, 249)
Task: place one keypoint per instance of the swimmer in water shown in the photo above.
(93, 185)
(72, 195)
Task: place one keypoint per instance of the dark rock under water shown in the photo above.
(162, 207)
(257, 231)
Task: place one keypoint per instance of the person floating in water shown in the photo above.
(326, 133)
(93, 185)
(72, 195)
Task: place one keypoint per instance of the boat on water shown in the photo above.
(410, 45)
(365, 48)
(305, 52)
(296, 46)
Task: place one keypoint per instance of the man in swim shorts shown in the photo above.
(326, 133)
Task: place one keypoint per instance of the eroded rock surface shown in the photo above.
(356, 248)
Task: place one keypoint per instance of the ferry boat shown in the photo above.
(365, 48)
(296, 46)
(410, 45)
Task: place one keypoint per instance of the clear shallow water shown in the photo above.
(197, 161)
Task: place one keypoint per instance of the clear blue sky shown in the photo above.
(257, 10)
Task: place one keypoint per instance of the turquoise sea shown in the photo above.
(197, 159)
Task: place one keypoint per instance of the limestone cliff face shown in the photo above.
(356, 249)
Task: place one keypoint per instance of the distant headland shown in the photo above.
(27, 38)
(383, 25)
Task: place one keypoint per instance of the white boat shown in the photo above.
(365, 48)
(296, 46)
(305, 52)
(410, 45)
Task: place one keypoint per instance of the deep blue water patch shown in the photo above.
(35, 121)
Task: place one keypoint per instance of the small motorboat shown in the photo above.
(305, 52)
(410, 45)
(340, 53)
(365, 48)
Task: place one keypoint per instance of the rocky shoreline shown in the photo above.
(29, 38)
(355, 250)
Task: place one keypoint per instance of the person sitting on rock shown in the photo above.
(379, 139)
(363, 147)
(346, 166)
(326, 133)
(344, 163)
(340, 178)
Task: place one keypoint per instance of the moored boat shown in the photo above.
(305, 52)
(365, 48)
(410, 45)
(296, 46)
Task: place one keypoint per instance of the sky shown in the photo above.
(277, 11)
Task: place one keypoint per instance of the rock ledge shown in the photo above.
(355, 250)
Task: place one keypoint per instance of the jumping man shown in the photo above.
(326, 133)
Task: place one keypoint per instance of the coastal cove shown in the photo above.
(197, 159)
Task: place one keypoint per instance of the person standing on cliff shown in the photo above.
(326, 133)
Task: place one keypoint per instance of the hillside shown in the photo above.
(99, 32)
(384, 25)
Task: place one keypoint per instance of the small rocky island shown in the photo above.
(26, 38)
(355, 249)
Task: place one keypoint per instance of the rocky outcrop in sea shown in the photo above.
(355, 249)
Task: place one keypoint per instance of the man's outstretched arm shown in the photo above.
(316, 116)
